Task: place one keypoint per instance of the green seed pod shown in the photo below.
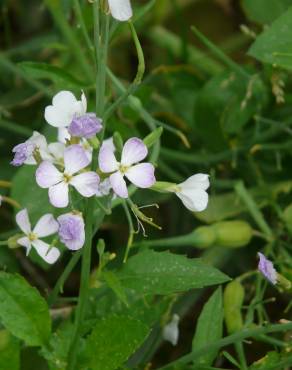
(232, 234)
(233, 298)
(204, 237)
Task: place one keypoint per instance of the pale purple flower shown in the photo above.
(85, 126)
(171, 331)
(71, 231)
(140, 174)
(120, 9)
(64, 108)
(266, 267)
(23, 153)
(75, 159)
(46, 226)
(104, 188)
(192, 192)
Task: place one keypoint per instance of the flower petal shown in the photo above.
(120, 9)
(86, 183)
(63, 135)
(141, 175)
(134, 151)
(107, 160)
(57, 150)
(23, 222)
(25, 242)
(47, 253)
(266, 267)
(59, 195)
(119, 184)
(47, 175)
(75, 159)
(60, 114)
(198, 181)
(46, 226)
(196, 200)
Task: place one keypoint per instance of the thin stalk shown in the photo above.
(131, 231)
(241, 355)
(239, 336)
(61, 281)
(138, 78)
(5, 184)
(11, 201)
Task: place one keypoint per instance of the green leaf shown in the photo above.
(29, 195)
(274, 45)
(264, 11)
(112, 341)
(57, 75)
(23, 311)
(151, 272)
(114, 283)
(9, 351)
(209, 327)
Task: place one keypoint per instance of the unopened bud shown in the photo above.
(12, 241)
(233, 298)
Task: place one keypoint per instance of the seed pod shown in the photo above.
(204, 237)
(232, 234)
(233, 299)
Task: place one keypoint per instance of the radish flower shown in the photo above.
(71, 231)
(121, 10)
(192, 192)
(46, 226)
(266, 267)
(75, 159)
(140, 174)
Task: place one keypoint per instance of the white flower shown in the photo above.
(120, 9)
(75, 159)
(171, 331)
(64, 107)
(46, 226)
(192, 192)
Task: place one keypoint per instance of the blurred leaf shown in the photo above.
(229, 205)
(61, 78)
(209, 327)
(8, 261)
(264, 11)
(112, 341)
(29, 195)
(114, 283)
(274, 45)
(23, 311)
(151, 272)
(9, 351)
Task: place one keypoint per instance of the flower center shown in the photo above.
(67, 178)
(123, 169)
(32, 237)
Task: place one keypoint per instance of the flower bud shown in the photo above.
(232, 234)
(12, 241)
(233, 298)
(118, 141)
(204, 237)
(152, 138)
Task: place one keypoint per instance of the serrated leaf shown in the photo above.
(264, 11)
(274, 45)
(151, 272)
(23, 311)
(112, 341)
(9, 351)
(209, 327)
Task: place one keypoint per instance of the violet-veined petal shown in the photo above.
(134, 151)
(120, 9)
(47, 253)
(71, 231)
(22, 221)
(266, 267)
(47, 175)
(59, 195)
(196, 200)
(86, 183)
(141, 175)
(24, 242)
(75, 159)
(46, 226)
(107, 160)
(119, 184)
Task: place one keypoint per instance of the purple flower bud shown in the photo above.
(266, 267)
(85, 126)
(71, 231)
(21, 153)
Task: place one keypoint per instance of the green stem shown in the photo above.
(61, 281)
(239, 336)
(131, 231)
(4, 242)
(241, 356)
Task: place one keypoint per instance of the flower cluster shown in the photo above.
(66, 168)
